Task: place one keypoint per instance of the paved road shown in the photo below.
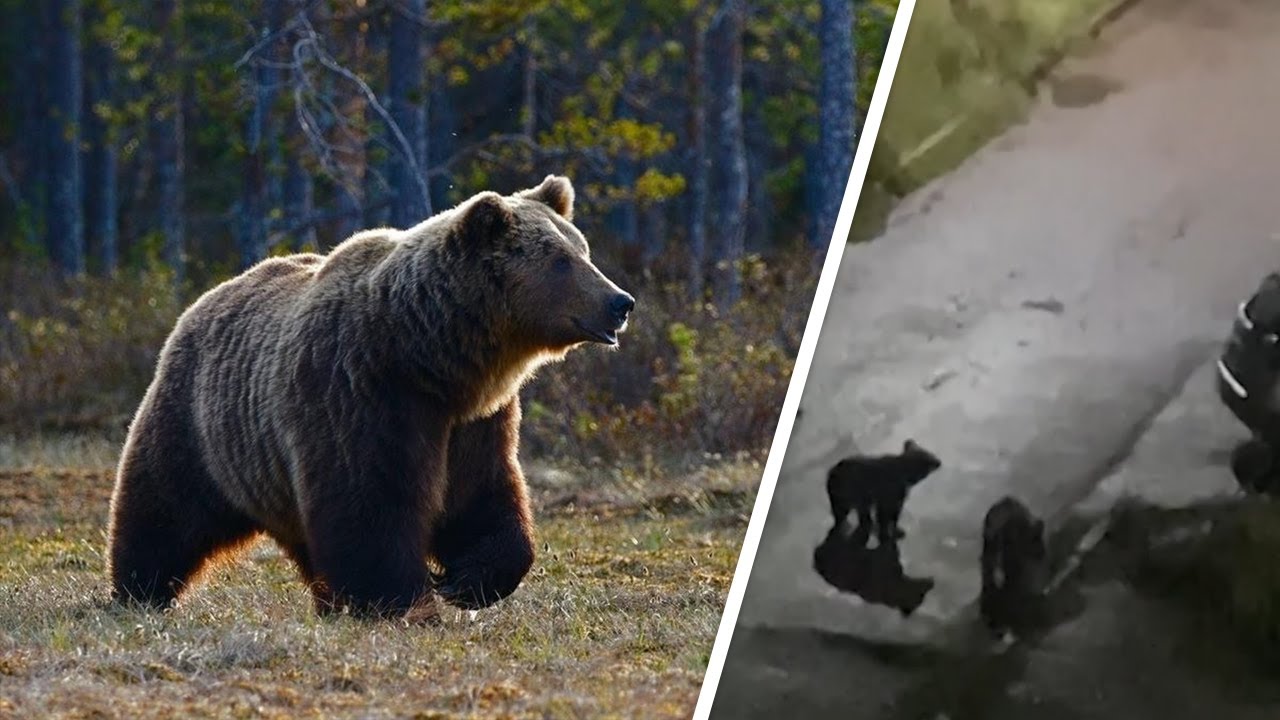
(1027, 315)
(1118, 654)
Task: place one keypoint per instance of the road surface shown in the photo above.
(1120, 654)
(1028, 315)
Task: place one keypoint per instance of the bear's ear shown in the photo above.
(910, 447)
(487, 217)
(556, 192)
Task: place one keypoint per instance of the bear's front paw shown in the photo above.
(475, 588)
(486, 570)
(468, 591)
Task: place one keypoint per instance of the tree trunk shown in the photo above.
(167, 136)
(298, 188)
(31, 155)
(698, 170)
(100, 189)
(374, 183)
(441, 143)
(260, 134)
(299, 199)
(728, 154)
(529, 119)
(408, 108)
(653, 234)
(623, 220)
(837, 115)
(375, 173)
(64, 223)
(349, 216)
(758, 234)
(352, 165)
(812, 190)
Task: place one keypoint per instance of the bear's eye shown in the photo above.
(561, 264)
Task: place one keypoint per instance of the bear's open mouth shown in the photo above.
(607, 337)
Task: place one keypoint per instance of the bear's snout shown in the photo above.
(621, 306)
(607, 316)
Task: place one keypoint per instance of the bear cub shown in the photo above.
(876, 487)
(1014, 565)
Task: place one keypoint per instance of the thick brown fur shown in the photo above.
(361, 408)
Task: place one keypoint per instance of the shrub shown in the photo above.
(79, 352)
(689, 380)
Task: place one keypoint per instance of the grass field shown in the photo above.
(617, 618)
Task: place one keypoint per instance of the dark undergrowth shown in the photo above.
(690, 382)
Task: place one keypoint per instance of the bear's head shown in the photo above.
(920, 462)
(555, 297)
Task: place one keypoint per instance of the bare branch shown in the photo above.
(311, 41)
(250, 55)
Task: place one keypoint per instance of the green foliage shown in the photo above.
(680, 387)
(690, 380)
(611, 87)
(970, 70)
(80, 352)
(653, 185)
(873, 21)
(611, 101)
(1233, 577)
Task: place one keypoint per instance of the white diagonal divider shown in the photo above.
(804, 358)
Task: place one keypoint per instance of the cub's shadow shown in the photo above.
(847, 562)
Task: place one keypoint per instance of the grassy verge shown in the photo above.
(1217, 562)
(968, 71)
(616, 620)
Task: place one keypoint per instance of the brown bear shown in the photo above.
(361, 409)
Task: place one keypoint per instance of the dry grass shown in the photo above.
(616, 620)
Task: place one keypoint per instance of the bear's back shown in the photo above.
(278, 289)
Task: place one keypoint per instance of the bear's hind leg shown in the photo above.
(369, 514)
(167, 520)
(374, 567)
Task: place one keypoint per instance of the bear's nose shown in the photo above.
(622, 305)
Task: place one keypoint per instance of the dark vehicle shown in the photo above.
(1249, 385)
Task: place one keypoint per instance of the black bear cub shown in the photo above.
(1014, 563)
(876, 486)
